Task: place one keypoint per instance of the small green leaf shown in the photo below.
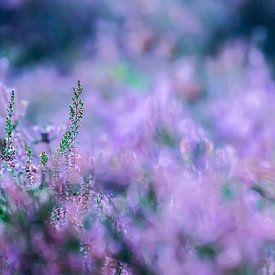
(44, 158)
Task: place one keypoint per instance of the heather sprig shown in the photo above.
(29, 152)
(10, 126)
(75, 115)
(76, 111)
(44, 159)
(65, 142)
(9, 154)
(30, 170)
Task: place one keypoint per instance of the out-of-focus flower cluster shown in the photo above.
(154, 186)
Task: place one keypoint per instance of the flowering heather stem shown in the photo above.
(9, 154)
(29, 168)
(68, 141)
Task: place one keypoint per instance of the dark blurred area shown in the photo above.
(35, 30)
(253, 20)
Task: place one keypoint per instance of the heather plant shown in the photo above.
(159, 198)
(172, 170)
(9, 154)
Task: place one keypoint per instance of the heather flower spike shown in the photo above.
(9, 154)
(9, 125)
(30, 170)
(75, 115)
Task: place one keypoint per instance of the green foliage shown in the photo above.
(164, 136)
(128, 74)
(71, 245)
(75, 115)
(9, 124)
(44, 158)
(65, 142)
(4, 215)
(9, 154)
(206, 251)
(29, 152)
(228, 192)
(76, 111)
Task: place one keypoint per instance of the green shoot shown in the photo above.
(75, 115)
(29, 152)
(9, 125)
(9, 152)
(44, 159)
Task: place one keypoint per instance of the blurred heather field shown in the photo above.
(160, 160)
